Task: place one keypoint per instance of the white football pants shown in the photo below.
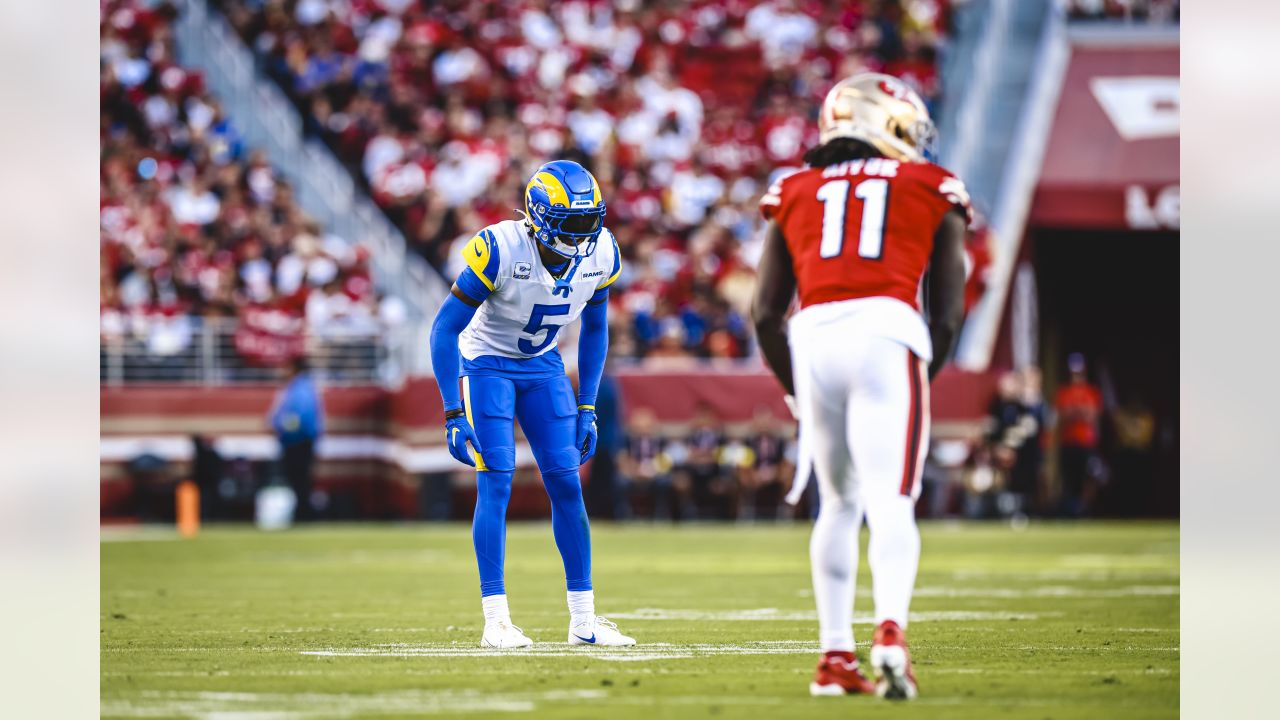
(863, 402)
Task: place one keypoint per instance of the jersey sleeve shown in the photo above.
(484, 262)
(771, 201)
(616, 268)
(953, 192)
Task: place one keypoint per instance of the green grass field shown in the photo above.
(1054, 621)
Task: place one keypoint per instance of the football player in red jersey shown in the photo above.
(854, 233)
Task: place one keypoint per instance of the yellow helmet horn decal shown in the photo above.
(556, 192)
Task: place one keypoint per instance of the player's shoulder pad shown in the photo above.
(949, 187)
(484, 256)
(771, 201)
(615, 268)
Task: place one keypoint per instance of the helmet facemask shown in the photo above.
(564, 208)
(567, 232)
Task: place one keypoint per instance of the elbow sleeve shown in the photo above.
(593, 347)
(451, 320)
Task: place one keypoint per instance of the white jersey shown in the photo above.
(524, 312)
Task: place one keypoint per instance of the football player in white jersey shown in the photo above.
(525, 280)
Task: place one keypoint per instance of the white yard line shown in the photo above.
(937, 670)
(639, 653)
(1117, 574)
(312, 706)
(1048, 591)
(774, 614)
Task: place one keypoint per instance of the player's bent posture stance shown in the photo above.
(524, 281)
(854, 233)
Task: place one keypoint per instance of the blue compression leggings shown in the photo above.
(548, 414)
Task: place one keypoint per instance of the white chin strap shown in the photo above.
(564, 249)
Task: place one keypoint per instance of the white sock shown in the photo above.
(582, 606)
(894, 554)
(833, 554)
(495, 608)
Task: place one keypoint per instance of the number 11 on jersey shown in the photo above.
(874, 194)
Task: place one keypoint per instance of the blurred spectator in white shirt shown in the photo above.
(590, 124)
(663, 95)
(385, 149)
(458, 180)
(693, 190)
(783, 31)
(193, 203)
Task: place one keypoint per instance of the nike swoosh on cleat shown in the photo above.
(591, 639)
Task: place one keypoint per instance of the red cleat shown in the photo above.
(892, 663)
(838, 674)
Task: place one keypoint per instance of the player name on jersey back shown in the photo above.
(872, 167)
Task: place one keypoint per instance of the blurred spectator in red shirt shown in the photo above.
(1079, 408)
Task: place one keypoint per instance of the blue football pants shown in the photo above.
(548, 412)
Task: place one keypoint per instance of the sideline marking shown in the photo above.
(639, 653)
(759, 614)
(1049, 591)
(313, 706)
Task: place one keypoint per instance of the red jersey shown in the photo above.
(862, 228)
(1078, 407)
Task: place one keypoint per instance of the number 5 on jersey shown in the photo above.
(874, 194)
(536, 325)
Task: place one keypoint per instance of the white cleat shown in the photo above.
(894, 679)
(503, 635)
(598, 631)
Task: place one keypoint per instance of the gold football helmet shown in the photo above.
(880, 110)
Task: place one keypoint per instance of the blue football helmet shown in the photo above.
(564, 208)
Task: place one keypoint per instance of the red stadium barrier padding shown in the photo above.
(388, 437)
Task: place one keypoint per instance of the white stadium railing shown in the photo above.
(187, 350)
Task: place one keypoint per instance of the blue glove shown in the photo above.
(587, 431)
(457, 431)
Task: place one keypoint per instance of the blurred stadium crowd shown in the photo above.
(443, 109)
(194, 226)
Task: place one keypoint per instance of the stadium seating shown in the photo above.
(199, 235)
(682, 109)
